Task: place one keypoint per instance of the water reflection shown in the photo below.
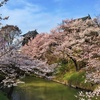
(40, 89)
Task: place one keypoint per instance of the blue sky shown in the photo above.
(44, 15)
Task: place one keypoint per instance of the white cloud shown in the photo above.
(30, 16)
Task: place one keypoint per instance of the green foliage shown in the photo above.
(3, 96)
(64, 67)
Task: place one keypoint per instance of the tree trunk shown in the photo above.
(74, 61)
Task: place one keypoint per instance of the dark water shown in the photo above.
(40, 89)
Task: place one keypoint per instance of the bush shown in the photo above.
(3, 96)
(64, 67)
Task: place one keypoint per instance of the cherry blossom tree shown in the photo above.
(9, 32)
(75, 39)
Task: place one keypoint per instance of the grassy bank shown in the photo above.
(66, 74)
(78, 79)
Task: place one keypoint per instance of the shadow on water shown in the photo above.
(40, 89)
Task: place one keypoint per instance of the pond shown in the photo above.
(40, 89)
